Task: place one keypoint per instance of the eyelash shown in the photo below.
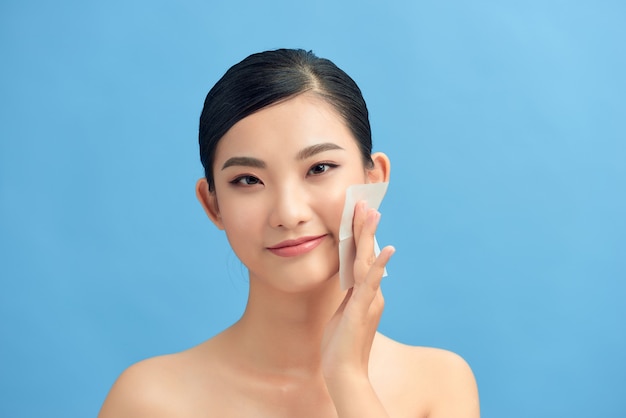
(239, 181)
(327, 164)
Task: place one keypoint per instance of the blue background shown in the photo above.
(506, 126)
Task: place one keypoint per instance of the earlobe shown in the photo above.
(380, 171)
(208, 200)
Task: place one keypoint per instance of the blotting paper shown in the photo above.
(372, 194)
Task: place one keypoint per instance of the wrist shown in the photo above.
(354, 396)
(345, 381)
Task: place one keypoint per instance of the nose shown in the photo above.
(291, 207)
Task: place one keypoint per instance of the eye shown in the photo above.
(245, 181)
(320, 168)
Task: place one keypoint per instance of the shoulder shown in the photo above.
(148, 388)
(440, 382)
(454, 390)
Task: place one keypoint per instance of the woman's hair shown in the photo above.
(269, 77)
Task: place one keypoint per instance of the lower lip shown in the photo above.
(295, 250)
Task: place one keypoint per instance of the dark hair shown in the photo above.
(268, 77)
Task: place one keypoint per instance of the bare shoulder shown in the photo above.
(455, 393)
(440, 383)
(149, 388)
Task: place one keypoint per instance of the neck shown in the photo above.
(281, 332)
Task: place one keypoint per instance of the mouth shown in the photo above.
(295, 247)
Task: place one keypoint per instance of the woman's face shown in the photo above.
(280, 180)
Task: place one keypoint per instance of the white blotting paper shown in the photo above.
(372, 194)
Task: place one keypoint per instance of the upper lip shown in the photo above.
(294, 242)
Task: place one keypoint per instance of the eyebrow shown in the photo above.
(244, 161)
(303, 154)
(316, 149)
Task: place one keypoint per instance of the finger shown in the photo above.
(365, 255)
(365, 293)
(360, 213)
(376, 272)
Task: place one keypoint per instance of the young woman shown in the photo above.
(283, 134)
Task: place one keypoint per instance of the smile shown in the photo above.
(292, 248)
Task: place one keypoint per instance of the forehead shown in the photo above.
(287, 127)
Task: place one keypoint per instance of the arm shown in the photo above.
(350, 333)
(450, 383)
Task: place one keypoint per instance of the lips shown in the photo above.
(295, 247)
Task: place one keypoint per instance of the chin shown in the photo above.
(299, 278)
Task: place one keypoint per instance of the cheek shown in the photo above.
(240, 221)
(332, 208)
(335, 196)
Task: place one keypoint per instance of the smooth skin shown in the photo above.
(303, 347)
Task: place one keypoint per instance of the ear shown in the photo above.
(208, 200)
(380, 172)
